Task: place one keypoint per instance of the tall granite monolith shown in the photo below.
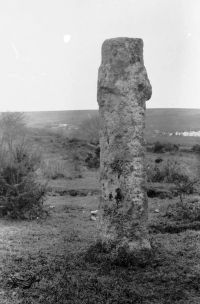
(123, 89)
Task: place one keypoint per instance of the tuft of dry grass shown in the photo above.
(54, 169)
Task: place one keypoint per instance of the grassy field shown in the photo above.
(57, 259)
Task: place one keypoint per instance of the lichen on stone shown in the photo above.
(123, 89)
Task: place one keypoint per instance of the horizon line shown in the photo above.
(28, 111)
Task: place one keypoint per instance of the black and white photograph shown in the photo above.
(99, 152)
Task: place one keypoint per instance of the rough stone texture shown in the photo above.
(123, 88)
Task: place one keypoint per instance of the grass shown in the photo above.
(54, 169)
(59, 260)
(26, 245)
(65, 265)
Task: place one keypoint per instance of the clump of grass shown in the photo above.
(178, 217)
(188, 210)
(60, 169)
(54, 169)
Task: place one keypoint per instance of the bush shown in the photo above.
(21, 196)
(188, 210)
(158, 147)
(164, 147)
(155, 173)
(12, 128)
(183, 179)
(196, 148)
(159, 170)
(168, 147)
(171, 171)
(93, 159)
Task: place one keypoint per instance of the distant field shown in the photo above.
(180, 140)
(49, 118)
(168, 120)
(157, 122)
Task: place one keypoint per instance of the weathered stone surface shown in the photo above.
(123, 88)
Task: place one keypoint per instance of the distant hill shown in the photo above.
(164, 120)
(171, 120)
(50, 118)
(161, 124)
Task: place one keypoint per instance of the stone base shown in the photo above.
(132, 253)
(113, 244)
(125, 253)
(135, 246)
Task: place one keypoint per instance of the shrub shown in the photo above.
(188, 210)
(196, 148)
(93, 159)
(156, 172)
(183, 179)
(165, 147)
(168, 147)
(158, 147)
(171, 171)
(21, 196)
(12, 127)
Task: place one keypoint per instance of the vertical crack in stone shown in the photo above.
(123, 89)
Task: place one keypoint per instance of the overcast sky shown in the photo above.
(50, 50)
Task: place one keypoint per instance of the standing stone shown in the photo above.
(123, 88)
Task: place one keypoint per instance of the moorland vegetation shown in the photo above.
(50, 251)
